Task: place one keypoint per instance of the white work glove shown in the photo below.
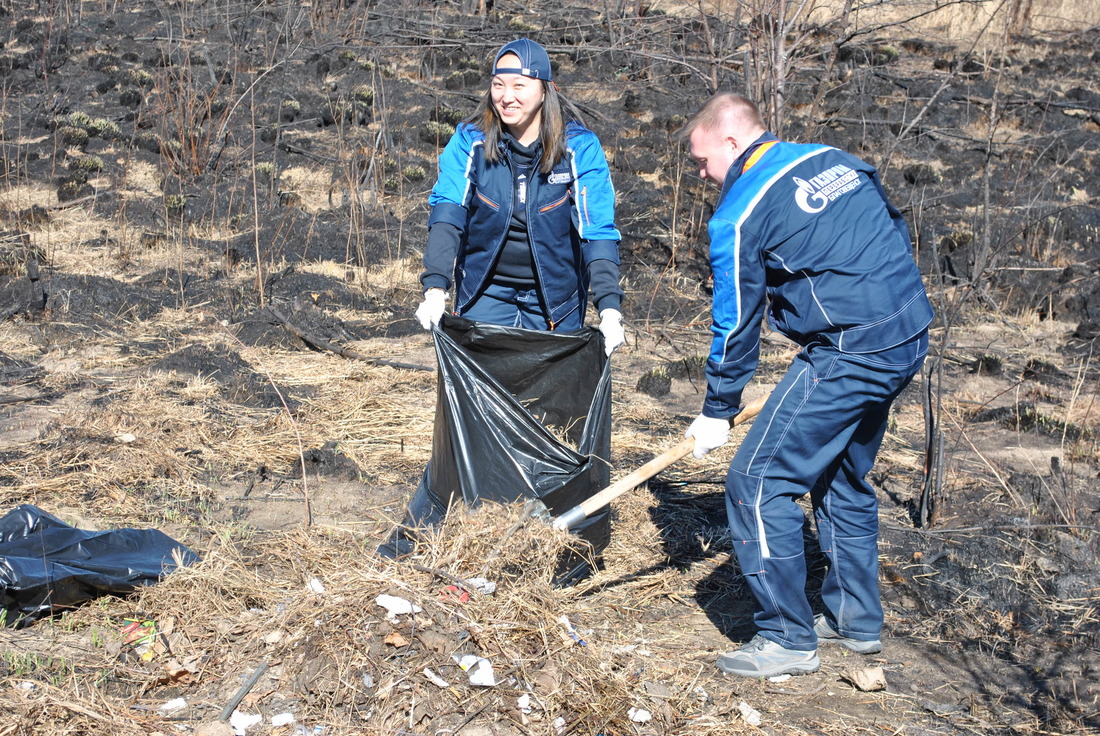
(611, 327)
(709, 433)
(432, 308)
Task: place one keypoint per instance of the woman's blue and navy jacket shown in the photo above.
(806, 229)
(570, 217)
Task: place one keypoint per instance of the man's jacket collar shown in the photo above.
(738, 167)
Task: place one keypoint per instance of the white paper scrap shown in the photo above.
(483, 585)
(479, 669)
(435, 679)
(750, 714)
(396, 606)
(241, 722)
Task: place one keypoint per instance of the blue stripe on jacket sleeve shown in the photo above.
(738, 308)
(593, 193)
(455, 165)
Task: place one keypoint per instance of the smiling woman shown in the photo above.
(523, 213)
(522, 226)
(517, 99)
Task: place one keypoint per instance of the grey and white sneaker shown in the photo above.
(828, 635)
(764, 658)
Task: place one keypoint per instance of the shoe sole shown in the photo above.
(853, 645)
(800, 668)
(857, 646)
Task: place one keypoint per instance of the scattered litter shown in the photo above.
(868, 679)
(639, 715)
(282, 719)
(701, 694)
(523, 703)
(183, 672)
(779, 678)
(141, 634)
(396, 639)
(316, 586)
(749, 714)
(241, 722)
(483, 586)
(559, 725)
(454, 593)
(478, 668)
(435, 679)
(368, 681)
(125, 438)
(231, 706)
(26, 685)
(396, 606)
(572, 632)
(175, 704)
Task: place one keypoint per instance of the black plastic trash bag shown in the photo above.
(504, 396)
(47, 565)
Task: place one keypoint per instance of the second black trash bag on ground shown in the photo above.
(504, 397)
(48, 566)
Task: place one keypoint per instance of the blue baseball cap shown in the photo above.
(534, 62)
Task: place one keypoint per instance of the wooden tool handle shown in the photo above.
(594, 503)
(636, 478)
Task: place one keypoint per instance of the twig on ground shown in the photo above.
(20, 399)
(231, 706)
(466, 584)
(323, 344)
(992, 528)
(101, 194)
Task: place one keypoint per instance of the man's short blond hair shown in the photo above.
(725, 108)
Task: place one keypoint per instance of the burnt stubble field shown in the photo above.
(211, 219)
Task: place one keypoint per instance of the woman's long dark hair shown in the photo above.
(557, 112)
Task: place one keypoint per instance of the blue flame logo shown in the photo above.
(805, 196)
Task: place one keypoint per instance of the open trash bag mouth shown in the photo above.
(47, 566)
(520, 414)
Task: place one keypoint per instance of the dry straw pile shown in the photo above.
(302, 611)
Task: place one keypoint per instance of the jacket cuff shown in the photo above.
(435, 281)
(595, 250)
(716, 413)
(450, 213)
(611, 301)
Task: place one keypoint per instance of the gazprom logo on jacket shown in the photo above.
(812, 196)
